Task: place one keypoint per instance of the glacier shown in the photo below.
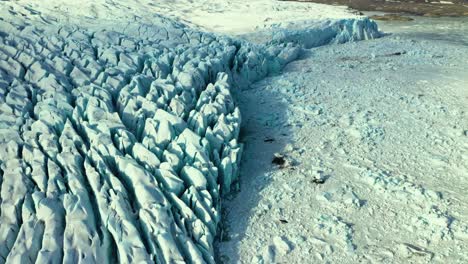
(118, 145)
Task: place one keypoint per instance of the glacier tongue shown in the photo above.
(117, 146)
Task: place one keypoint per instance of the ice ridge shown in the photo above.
(118, 145)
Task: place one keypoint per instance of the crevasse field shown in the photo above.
(144, 132)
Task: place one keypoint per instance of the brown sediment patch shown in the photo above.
(434, 8)
(391, 17)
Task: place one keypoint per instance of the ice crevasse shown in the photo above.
(118, 145)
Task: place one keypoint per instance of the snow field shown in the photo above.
(231, 17)
(374, 139)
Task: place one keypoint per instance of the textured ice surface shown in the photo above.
(311, 34)
(374, 137)
(221, 16)
(117, 145)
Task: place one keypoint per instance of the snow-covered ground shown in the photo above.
(118, 129)
(375, 139)
(233, 16)
(239, 16)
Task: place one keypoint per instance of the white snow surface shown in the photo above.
(233, 16)
(118, 130)
(375, 140)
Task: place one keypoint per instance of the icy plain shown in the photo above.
(118, 128)
(372, 143)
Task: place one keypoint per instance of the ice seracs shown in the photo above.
(117, 145)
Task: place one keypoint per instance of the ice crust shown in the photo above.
(117, 146)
